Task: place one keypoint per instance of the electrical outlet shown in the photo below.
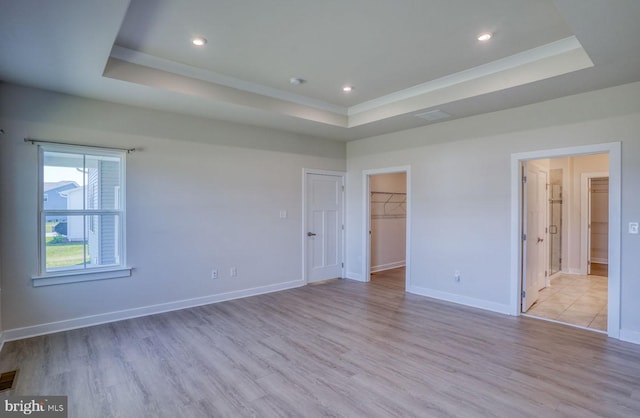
(214, 274)
(233, 272)
(633, 227)
(456, 276)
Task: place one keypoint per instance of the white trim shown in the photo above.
(600, 260)
(516, 238)
(69, 324)
(81, 276)
(551, 60)
(615, 205)
(1, 341)
(163, 64)
(523, 67)
(584, 217)
(461, 300)
(366, 268)
(355, 276)
(388, 266)
(630, 336)
(553, 49)
(343, 175)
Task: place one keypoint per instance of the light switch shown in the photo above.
(633, 227)
(283, 214)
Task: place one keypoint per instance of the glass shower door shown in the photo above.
(555, 229)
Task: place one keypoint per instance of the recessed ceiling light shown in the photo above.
(483, 37)
(296, 81)
(199, 41)
(347, 89)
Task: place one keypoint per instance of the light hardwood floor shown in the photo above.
(339, 349)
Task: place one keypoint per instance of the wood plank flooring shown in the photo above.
(598, 269)
(341, 349)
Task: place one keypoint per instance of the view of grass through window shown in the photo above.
(60, 251)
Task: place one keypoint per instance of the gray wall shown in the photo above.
(462, 222)
(200, 194)
(204, 194)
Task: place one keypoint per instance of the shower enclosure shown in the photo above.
(555, 221)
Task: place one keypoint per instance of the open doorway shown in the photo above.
(596, 222)
(387, 224)
(565, 223)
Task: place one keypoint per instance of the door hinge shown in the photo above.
(343, 227)
(524, 237)
(545, 273)
(546, 230)
(524, 179)
(523, 294)
(342, 265)
(343, 188)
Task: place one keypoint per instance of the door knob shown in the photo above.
(540, 239)
(311, 234)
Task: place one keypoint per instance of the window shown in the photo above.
(82, 214)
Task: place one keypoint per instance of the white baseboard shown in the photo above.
(630, 336)
(462, 300)
(575, 271)
(355, 276)
(52, 327)
(600, 260)
(388, 266)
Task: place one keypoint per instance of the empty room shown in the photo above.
(319, 208)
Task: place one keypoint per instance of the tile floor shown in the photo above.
(574, 299)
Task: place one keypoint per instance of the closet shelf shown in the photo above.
(388, 205)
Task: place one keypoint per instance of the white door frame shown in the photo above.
(366, 204)
(585, 210)
(613, 149)
(305, 172)
(532, 167)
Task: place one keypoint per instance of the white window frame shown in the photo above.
(44, 277)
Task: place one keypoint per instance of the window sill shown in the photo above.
(84, 276)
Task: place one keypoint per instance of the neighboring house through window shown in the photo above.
(82, 213)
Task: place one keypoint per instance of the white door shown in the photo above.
(534, 246)
(325, 225)
(541, 240)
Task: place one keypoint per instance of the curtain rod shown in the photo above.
(40, 141)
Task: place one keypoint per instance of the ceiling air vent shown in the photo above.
(433, 115)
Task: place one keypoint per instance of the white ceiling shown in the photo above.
(404, 57)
